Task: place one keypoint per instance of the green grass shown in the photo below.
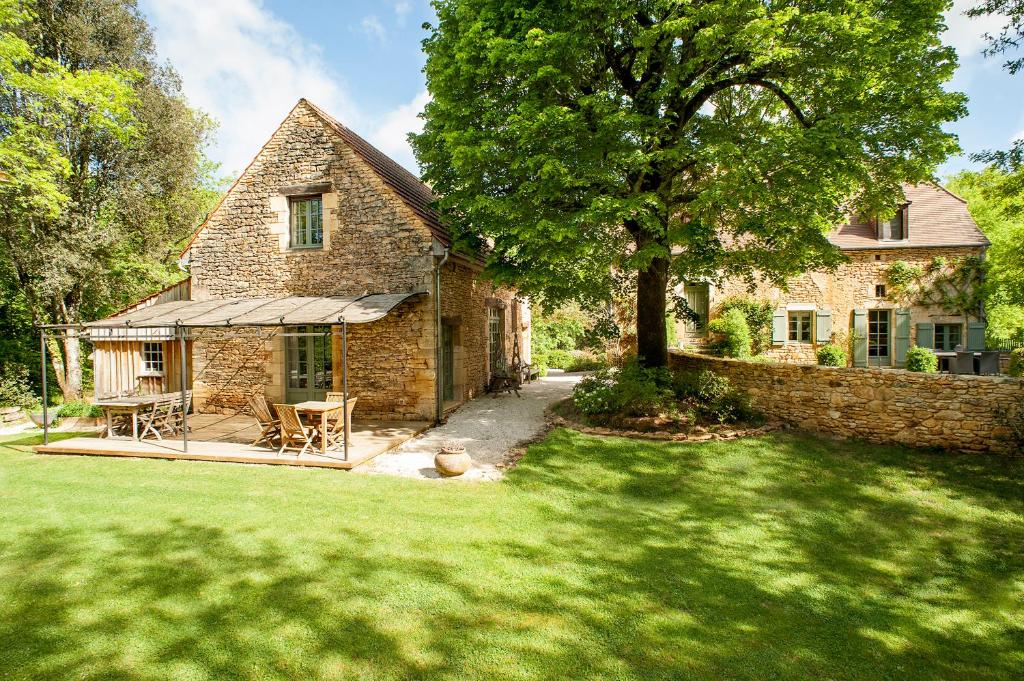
(779, 557)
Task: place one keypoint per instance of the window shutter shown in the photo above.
(779, 331)
(976, 336)
(823, 326)
(860, 338)
(901, 339)
(925, 335)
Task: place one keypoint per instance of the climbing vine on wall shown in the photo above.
(955, 287)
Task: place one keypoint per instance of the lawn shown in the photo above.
(778, 557)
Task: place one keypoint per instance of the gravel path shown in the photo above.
(488, 426)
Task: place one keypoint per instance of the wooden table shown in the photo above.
(129, 405)
(316, 408)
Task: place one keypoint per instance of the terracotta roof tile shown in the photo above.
(936, 217)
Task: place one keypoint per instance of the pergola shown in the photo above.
(175, 319)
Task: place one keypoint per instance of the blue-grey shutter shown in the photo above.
(976, 336)
(901, 339)
(779, 334)
(823, 326)
(925, 335)
(860, 338)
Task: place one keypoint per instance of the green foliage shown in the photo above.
(831, 355)
(559, 359)
(15, 390)
(712, 397)
(629, 391)
(734, 333)
(79, 408)
(1016, 367)
(758, 314)
(957, 287)
(589, 138)
(585, 361)
(922, 360)
(996, 203)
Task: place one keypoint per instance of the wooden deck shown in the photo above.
(226, 438)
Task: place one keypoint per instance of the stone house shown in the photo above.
(854, 306)
(322, 221)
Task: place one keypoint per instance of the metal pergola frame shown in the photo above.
(181, 327)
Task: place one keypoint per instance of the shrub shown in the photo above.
(713, 396)
(584, 361)
(629, 391)
(79, 408)
(758, 314)
(831, 355)
(734, 332)
(14, 387)
(922, 359)
(1016, 367)
(559, 359)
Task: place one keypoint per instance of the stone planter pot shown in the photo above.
(37, 417)
(452, 460)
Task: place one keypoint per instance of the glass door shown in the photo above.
(496, 337)
(308, 363)
(878, 338)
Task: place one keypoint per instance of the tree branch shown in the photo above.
(777, 90)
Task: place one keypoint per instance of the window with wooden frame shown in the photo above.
(307, 221)
(894, 227)
(948, 336)
(153, 359)
(800, 326)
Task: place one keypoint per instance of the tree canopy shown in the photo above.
(667, 141)
(105, 163)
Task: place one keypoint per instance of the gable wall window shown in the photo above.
(307, 221)
(800, 323)
(153, 359)
(947, 337)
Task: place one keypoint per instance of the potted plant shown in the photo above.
(452, 459)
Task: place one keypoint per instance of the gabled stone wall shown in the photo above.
(890, 406)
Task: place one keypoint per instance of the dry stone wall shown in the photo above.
(891, 406)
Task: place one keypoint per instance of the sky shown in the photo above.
(247, 62)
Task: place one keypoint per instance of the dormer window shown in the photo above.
(893, 228)
(307, 221)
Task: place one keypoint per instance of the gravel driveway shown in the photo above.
(488, 426)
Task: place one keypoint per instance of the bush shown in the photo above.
(831, 355)
(714, 398)
(629, 391)
(922, 359)
(734, 332)
(584, 361)
(79, 408)
(14, 387)
(758, 314)
(1016, 367)
(559, 359)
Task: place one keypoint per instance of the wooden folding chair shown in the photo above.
(335, 434)
(293, 431)
(154, 422)
(270, 427)
(172, 422)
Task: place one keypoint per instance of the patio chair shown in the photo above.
(989, 364)
(335, 434)
(293, 432)
(964, 363)
(171, 424)
(270, 427)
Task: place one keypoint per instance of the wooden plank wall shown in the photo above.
(117, 369)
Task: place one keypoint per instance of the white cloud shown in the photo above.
(371, 26)
(402, 9)
(967, 34)
(393, 129)
(247, 68)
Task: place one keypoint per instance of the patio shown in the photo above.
(216, 437)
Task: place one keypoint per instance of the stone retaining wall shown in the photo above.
(879, 405)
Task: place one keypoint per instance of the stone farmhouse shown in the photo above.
(853, 305)
(320, 227)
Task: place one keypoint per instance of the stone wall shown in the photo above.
(880, 405)
(850, 287)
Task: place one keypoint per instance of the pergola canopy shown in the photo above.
(288, 311)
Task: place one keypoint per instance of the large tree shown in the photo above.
(669, 140)
(105, 158)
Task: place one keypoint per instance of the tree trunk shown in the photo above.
(72, 386)
(651, 336)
